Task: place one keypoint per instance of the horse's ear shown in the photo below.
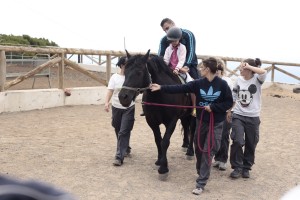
(147, 55)
(127, 54)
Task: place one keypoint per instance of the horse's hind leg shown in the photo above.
(185, 122)
(190, 151)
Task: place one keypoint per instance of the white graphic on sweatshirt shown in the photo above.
(245, 97)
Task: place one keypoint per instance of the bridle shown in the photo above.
(140, 90)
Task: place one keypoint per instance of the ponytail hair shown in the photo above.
(253, 62)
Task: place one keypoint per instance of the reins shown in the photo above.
(210, 136)
(137, 90)
(140, 90)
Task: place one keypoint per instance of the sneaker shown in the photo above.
(222, 166)
(117, 162)
(236, 173)
(245, 173)
(216, 164)
(197, 191)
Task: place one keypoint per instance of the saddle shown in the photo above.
(182, 77)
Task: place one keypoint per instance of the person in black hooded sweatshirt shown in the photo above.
(213, 98)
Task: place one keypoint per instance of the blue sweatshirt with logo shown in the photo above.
(216, 94)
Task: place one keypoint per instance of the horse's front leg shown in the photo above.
(158, 139)
(170, 127)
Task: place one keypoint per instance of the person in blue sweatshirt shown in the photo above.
(188, 40)
(213, 99)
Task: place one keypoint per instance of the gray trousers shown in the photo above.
(203, 166)
(245, 132)
(222, 154)
(122, 121)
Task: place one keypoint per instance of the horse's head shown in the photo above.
(137, 78)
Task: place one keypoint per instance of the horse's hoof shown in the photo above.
(163, 177)
(189, 157)
(163, 170)
(157, 163)
(190, 152)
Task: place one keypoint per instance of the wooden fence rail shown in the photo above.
(59, 57)
(271, 68)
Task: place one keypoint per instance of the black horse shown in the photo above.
(140, 72)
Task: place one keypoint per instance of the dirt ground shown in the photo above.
(73, 148)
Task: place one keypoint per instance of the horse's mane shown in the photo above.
(158, 64)
(155, 63)
(132, 59)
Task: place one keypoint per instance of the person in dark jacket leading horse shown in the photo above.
(214, 97)
(188, 39)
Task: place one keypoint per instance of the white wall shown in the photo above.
(23, 100)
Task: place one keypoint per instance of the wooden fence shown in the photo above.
(60, 58)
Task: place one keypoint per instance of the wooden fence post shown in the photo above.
(272, 73)
(84, 71)
(108, 68)
(61, 71)
(78, 58)
(2, 70)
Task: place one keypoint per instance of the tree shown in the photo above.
(24, 40)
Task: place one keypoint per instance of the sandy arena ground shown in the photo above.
(73, 148)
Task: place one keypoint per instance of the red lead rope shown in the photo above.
(210, 136)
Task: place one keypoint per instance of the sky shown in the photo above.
(235, 28)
